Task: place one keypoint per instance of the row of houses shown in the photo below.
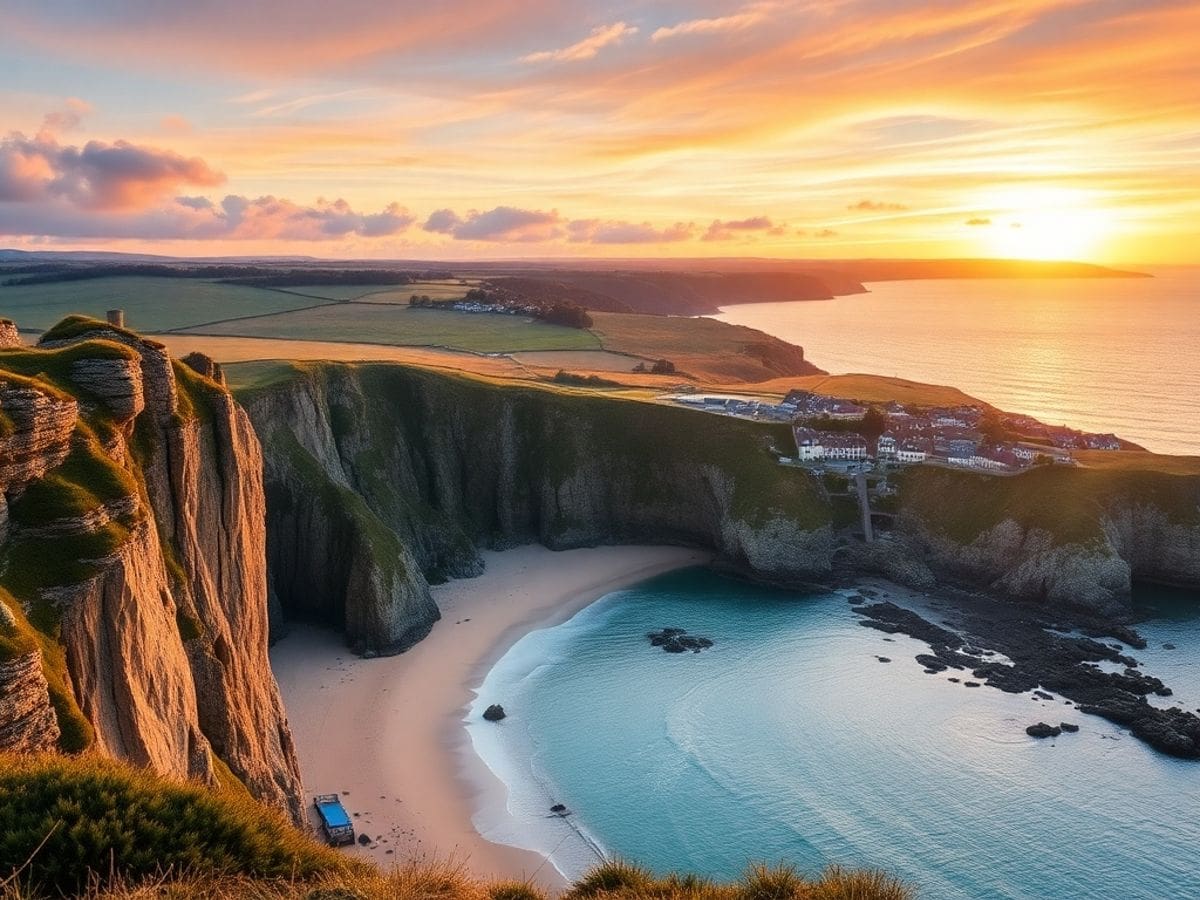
(808, 405)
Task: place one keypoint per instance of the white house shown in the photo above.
(844, 446)
(911, 453)
(886, 447)
(808, 444)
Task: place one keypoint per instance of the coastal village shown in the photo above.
(854, 436)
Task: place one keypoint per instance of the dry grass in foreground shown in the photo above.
(446, 881)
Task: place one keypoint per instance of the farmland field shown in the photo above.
(435, 290)
(150, 304)
(401, 326)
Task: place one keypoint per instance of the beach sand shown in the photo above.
(388, 734)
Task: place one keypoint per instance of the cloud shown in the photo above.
(726, 231)
(235, 218)
(504, 223)
(66, 119)
(601, 37)
(979, 220)
(442, 221)
(876, 206)
(739, 21)
(597, 231)
(97, 175)
(175, 124)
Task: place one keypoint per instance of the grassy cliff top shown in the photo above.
(1070, 503)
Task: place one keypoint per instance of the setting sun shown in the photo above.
(1045, 224)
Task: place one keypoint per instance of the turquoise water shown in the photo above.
(790, 741)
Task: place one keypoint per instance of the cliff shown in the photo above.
(132, 550)
(381, 478)
(1068, 536)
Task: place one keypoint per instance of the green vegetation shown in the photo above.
(150, 304)
(106, 831)
(399, 325)
(18, 637)
(1067, 502)
(86, 480)
(95, 815)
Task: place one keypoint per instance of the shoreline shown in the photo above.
(390, 733)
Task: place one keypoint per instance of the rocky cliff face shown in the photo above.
(381, 477)
(132, 554)
(1073, 537)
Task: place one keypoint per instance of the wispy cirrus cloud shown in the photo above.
(746, 18)
(602, 36)
(876, 206)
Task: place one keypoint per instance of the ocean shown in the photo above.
(789, 741)
(1105, 355)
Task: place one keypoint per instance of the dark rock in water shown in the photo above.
(364, 839)
(1168, 646)
(952, 678)
(558, 808)
(855, 599)
(1009, 679)
(883, 659)
(972, 684)
(1043, 695)
(930, 671)
(1068, 726)
(1042, 730)
(677, 640)
(494, 713)
(931, 662)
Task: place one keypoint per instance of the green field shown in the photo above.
(435, 290)
(401, 326)
(150, 304)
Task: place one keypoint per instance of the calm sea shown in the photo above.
(789, 741)
(1098, 354)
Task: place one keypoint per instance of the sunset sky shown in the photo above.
(1040, 128)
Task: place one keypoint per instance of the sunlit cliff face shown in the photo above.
(1029, 128)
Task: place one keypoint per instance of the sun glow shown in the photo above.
(1046, 224)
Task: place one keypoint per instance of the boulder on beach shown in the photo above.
(494, 713)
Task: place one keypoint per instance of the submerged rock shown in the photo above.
(677, 640)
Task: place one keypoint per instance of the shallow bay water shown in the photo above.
(790, 741)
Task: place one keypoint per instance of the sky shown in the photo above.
(447, 129)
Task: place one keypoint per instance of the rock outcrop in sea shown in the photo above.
(133, 586)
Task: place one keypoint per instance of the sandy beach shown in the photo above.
(388, 734)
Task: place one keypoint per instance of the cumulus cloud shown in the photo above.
(979, 220)
(601, 37)
(738, 21)
(598, 231)
(876, 206)
(442, 221)
(504, 223)
(97, 175)
(198, 218)
(728, 230)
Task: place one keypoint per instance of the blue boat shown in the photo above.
(335, 821)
